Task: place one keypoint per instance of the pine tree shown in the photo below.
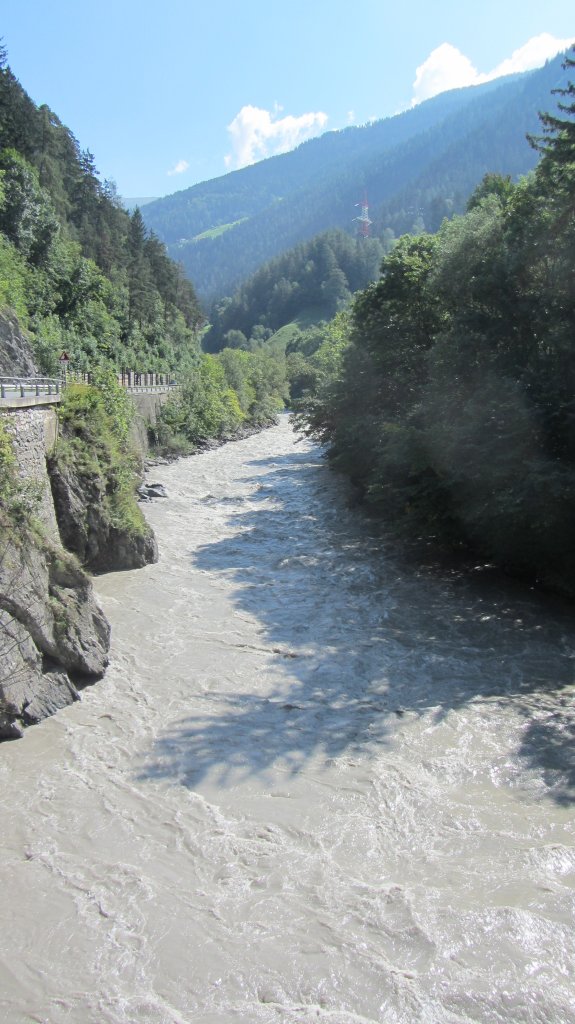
(557, 144)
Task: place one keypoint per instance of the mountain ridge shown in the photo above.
(290, 198)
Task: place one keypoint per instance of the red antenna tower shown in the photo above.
(363, 219)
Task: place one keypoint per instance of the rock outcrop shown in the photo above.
(85, 526)
(54, 636)
(16, 356)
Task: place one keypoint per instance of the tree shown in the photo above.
(557, 144)
(491, 185)
(27, 216)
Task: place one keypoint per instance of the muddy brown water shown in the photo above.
(316, 783)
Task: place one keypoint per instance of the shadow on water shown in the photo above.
(361, 636)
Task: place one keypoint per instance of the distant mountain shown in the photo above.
(131, 204)
(416, 168)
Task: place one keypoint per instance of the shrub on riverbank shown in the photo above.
(221, 396)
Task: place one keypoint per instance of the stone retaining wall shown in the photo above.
(35, 432)
(147, 408)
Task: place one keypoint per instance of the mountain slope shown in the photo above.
(424, 162)
(311, 281)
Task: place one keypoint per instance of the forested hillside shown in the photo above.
(81, 273)
(450, 399)
(312, 282)
(416, 168)
(84, 276)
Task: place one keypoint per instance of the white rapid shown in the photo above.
(318, 783)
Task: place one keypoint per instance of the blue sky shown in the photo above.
(167, 94)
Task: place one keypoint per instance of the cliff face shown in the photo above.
(85, 525)
(53, 634)
(54, 637)
(93, 472)
(16, 356)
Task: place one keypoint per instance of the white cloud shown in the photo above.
(445, 68)
(533, 55)
(181, 166)
(257, 133)
(448, 68)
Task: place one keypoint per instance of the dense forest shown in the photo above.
(81, 273)
(449, 395)
(416, 167)
(312, 282)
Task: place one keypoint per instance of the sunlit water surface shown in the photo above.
(316, 784)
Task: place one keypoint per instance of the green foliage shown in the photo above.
(94, 440)
(14, 280)
(558, 142)
(451, 405)
(27, 217)
(219, 396)
(81, 273)
(315, 366)
(117, 403)
(317, 276)
(498, 185)
(205, 407)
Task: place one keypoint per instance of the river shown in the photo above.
(318, 782)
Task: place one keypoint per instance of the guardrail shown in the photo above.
(129, 379)
(46, 390)
(24, 387)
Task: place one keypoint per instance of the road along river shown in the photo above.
(316, 784)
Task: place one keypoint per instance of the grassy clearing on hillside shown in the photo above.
(215, 232)
(289, 332)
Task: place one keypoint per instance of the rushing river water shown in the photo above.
(316, 784)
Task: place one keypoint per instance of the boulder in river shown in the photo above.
(149, 491)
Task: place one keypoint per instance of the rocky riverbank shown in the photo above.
(54, 637)
(86, 527)
(61, 513)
